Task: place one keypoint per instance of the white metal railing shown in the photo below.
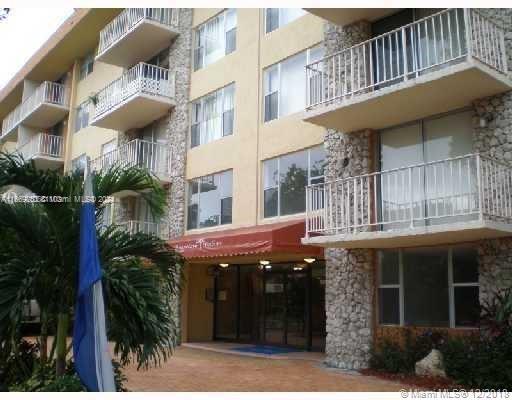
(142, 78)
(415, 49)
(129, 18)
(458, 189)
(155, 157)
(159, 229)
(47, 92)
(44, 145)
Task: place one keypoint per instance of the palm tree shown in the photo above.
(39, 258)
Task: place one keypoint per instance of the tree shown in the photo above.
(39, 259)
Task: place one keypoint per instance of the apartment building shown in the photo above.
(333, 175)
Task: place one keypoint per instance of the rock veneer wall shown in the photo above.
(495, 140)
(349, 273)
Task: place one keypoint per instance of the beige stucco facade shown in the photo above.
(253, 140)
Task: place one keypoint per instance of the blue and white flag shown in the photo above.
(90, 346)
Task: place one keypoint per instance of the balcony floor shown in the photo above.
(141, 42)
(446, 89)
(135, 112)
(420, 236)
(346, 16)
(45, 115)
(47, 162)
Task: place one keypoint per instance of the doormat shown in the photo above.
(269, 350)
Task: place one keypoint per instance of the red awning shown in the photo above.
(272, 238)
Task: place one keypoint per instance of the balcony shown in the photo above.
(347, 16)
(141, 95)
(137, 34)
(47, 151)
(454, 200)
(159, 229)
(437, 64)
(44, 108)
(154, 157)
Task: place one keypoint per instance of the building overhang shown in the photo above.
(432, 235)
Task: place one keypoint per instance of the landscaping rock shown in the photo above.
(431, 365)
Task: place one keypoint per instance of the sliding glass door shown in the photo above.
(424, 178)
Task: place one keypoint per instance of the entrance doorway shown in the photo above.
(281, 304)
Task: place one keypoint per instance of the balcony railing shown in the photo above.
(159, 229)
(422, 47)
(43, 145)
(141, 79)
(47, 92)
(154, 157)
(129, 18)
(466, 188)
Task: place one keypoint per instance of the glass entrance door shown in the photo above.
(282, 305)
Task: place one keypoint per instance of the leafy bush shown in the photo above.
(388, 356)
(65, 383)
(16, 367)
(480, 361)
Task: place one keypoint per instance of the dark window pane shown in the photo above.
(227, 122)
(272, 19)
(467, 306)
(465, 265)
(192, 217)
(209, 210)
(389, 306)
(271, 106)
(198, 58)
(389, 267)
(270, 199)
(195, 134)
(293, 182)
(226, 206)
(231, 41)
(426, 287)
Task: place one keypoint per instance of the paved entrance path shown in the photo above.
(197, 370)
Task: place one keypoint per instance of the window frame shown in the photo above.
(197, 180)
(86, 66)
(198, 47)
(82, 160)
(279, 19)
(84, 106)
(451, 291)
(264, 187)
(220, 97)
(278, 66)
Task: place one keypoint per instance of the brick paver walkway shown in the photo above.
(202, 370)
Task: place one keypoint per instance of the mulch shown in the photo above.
(424, 382)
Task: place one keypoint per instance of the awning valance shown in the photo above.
(261, 239)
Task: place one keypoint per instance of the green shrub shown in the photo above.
(480, 362)
(18, 366)
(388, 356)
(65, 383)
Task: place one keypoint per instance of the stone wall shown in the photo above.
(495, 140)
(349, 273)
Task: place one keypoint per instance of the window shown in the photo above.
(161, 59)
(210, 200)
(212, 116)
(277, 17)
(431, 287)
(285, 179)
(79, 163)
(82, 115)
(284, 84)
(87, 66)
(215, 38)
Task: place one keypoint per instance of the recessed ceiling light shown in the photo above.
(264, 262)
(268, 266)
(224, 265)
(310, 260)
